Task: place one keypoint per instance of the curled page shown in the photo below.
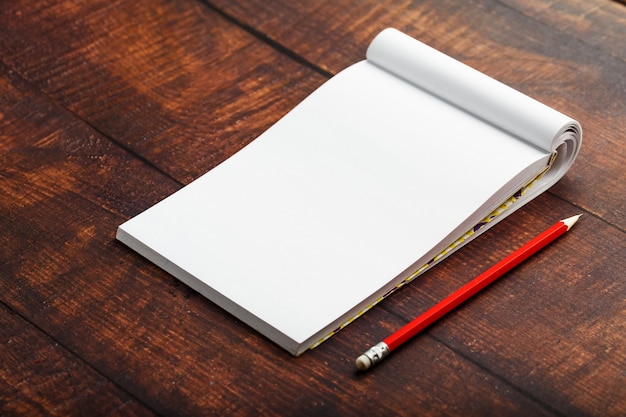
(480, 95)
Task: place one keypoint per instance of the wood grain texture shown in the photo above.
(597, 23)
(39, 378)
(169, 79)
(107, 107)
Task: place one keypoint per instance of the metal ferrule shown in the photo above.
(377, 352)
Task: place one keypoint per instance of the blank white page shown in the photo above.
(328, 209)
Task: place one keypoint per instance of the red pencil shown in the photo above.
(381, 350)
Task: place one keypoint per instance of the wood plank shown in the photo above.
(171, 80)
(538, 57)
(171, 349)
(439, 23)
(599, 23)
(39, 377)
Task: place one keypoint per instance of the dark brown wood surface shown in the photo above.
(106, 107)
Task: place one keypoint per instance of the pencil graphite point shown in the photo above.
(570, 221)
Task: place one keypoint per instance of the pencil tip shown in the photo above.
(570, 221)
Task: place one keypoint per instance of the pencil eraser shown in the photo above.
(363, 363)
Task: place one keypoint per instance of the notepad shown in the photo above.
(387, 168)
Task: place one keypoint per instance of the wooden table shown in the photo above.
(106, 107)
